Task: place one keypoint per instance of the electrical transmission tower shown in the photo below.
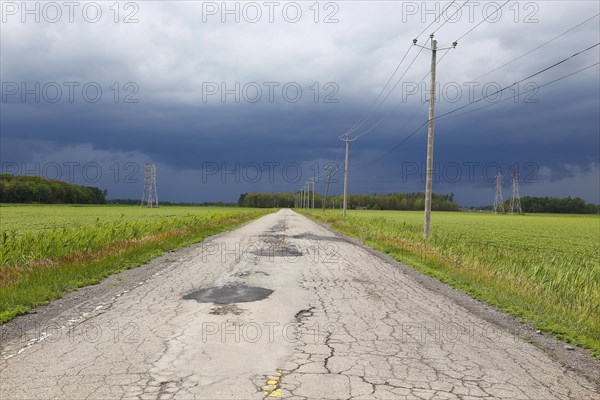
(515, 198)
(498, 202)
(149, 197)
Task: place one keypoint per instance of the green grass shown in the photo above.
(543, 268)
(49, 250)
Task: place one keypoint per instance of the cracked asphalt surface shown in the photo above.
(341, 322)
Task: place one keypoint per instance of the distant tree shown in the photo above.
(567, 205)
(394, 201)
(33, 189)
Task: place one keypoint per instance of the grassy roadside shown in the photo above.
(40, 278)
(542, 269)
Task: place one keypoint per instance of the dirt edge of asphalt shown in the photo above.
(571, 357)
(85, 300)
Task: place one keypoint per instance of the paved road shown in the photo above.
(340, 323)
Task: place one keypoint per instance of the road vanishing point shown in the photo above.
(281, 307)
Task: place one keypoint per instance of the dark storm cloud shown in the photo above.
(173, 59)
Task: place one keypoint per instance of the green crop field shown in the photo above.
(48, 250)
(544, 268)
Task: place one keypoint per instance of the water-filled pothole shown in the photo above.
(229, 294)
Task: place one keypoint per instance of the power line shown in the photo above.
(389, 92)
(408, 121)
(435, 19)
(414, 132)
(523, 55)
(520, 81)
(333, 161)
(532, 50)
(406, 139)
(366, 116)
(560, 62)
(427, 74)
(538, 47)
(402, 102)
(378, 103)
(483, 20)
(525, 92)
(448, 19)
(362, 120)
(371, 108)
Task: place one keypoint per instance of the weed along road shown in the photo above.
(278, 308)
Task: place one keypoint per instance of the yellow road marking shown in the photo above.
(272, 389)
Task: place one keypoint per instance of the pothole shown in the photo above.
(283, 251)
(279, 227)
(229, 294)
(287, 251)
(272, 239)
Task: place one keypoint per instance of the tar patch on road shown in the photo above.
(229, 294)
(245, 274)
(282, 251)
(226, 309)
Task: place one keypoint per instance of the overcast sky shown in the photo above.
(239, 97)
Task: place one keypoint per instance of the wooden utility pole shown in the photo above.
(428, 176)
(429, 173)
(346, 138)
(306, 195)
(330, 169)
(313, 180)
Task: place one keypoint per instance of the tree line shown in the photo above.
(35, 189)
(393, 201)
(567, 205)
(550, 205)
(134, 202)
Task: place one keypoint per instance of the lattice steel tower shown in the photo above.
(498, 202)
(149, 197)
(515, 198)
